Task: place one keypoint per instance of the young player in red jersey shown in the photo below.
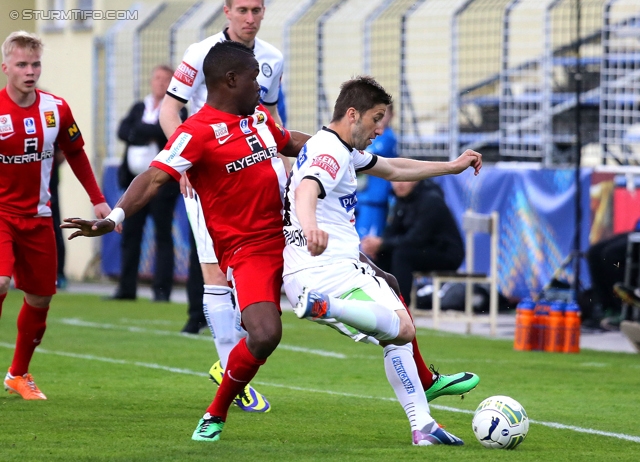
(229, 153)
(31, 121)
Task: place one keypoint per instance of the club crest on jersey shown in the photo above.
(6, 126)
(50, 118)
(349, 201)
(261, 117)
(327, 163)
(266, 70)
(185, 74)
(73, 131)
(244, 126)
(30, 126)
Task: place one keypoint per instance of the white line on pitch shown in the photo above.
(94, 325)
(621, 436)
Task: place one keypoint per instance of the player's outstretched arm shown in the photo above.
(142, 189)
(402, 169)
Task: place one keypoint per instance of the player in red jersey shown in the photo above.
(31, 121)
(229, 153)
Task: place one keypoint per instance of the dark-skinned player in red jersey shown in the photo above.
(229, 153)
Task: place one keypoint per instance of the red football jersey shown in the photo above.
(232, 163)
(27, 137)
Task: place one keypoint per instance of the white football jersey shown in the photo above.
(188, 84)
(331, 162)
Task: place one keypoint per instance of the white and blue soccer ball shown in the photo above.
(500, 422)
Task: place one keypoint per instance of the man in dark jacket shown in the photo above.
(141, 131)
(422, 235)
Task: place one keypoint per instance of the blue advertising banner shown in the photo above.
(537, 212)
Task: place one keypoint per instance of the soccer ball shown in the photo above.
(500, 422)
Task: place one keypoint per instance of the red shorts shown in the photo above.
(28, 252)
(256, 273)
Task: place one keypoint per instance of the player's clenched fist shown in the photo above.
(317, 241)
(469, 158)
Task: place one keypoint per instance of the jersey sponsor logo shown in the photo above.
(30, 145)
(30, 126)
(26, 158)
(74, 132)
(349, 201)
(254, 143)
(295, 237)
(222, 132)
(402, 375)
(266, 70)
(50, 118)
(244, 126)
(261, 117)
(327, 163)
(302, 157)
(185, 74)
(6, 125)
(178, 146)
(252, 159)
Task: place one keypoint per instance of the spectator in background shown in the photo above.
(421, 236)
(374, 192)
(141, 131)
(606, 261)
(631, 325)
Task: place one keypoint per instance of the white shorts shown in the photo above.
(204, 244)
(346, 279)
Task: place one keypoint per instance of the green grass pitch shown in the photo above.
(124, 385)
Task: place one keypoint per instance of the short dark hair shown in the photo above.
(223, 57)
(361, 93)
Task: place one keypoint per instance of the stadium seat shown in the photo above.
(472, 223)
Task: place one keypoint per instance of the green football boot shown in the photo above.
(209, 428)
(454, 384)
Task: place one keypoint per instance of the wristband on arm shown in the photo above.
(116, 215)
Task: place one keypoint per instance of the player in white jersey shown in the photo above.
(322, 245)
(188, 85)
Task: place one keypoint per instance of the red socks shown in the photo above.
(2, 297)
(241, 368)
(426, 377)
(32, 322)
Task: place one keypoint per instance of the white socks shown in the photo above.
(402, 374)
(366, 316)
(221, 318)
